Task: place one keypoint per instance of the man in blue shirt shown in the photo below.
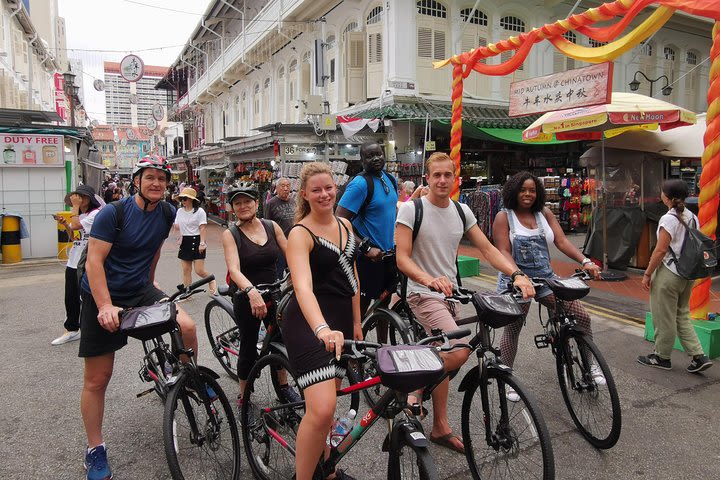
(373, 217)
(120, 273)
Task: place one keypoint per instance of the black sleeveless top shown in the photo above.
(257, 262)
(332, 269)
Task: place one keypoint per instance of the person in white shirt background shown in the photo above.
(191, 222)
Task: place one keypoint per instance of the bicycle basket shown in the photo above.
(145, 323)
(496, 310)
(406, 368)
(568, 288)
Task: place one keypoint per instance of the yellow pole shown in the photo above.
(11, 250)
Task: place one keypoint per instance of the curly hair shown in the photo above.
(512, 187)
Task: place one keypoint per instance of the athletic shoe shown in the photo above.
(597, 375)
(511, 394)
(66, 337)
(96, 464)
(699, 363)
(289, 394)
(652, 360)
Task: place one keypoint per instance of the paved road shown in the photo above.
(669, 419)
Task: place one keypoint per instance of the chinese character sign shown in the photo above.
(31, 150)
(575, 88)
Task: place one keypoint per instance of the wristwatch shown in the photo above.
(585, 261)
(203, 244)
(517, 273)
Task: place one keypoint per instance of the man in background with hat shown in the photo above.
(85, 205)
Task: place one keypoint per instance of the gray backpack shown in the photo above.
(698, 255)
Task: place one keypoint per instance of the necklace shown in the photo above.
(254, 235)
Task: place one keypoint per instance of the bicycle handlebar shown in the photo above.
(192, 288)
(267, 287)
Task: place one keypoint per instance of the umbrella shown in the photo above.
(625, 112)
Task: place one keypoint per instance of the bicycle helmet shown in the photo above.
(247, 191)
(150, 161)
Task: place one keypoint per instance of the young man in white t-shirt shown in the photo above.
(429, 264)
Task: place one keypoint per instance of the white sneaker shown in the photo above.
(511, 394)
(597, 375)
(66, 337)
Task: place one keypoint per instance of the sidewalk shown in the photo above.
(629, 290)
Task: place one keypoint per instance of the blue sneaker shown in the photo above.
(96, 464)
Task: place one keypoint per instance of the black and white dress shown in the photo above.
(334, 285)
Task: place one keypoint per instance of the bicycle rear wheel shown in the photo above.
(201, 436)
(412, 463)
(510, 439)
(594, 407)
(268, 427)
(224, 336)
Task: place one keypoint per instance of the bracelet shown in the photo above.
(586, 261)
(517, 273)
(203, 244)
(320, 327)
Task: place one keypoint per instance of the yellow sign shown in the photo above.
(430, 146)
(580, 123)
(614, 132)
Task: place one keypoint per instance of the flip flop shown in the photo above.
(445, 441)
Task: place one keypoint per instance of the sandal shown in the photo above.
(415, 408)
(446, 441)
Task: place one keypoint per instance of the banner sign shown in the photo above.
(580, 87)
(21, 150)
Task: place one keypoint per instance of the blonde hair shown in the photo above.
(436, 157)
(302, 208)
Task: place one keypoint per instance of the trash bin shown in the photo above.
(11, 250)
(65, 238)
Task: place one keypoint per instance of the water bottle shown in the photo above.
(261, 336)
(341, 428)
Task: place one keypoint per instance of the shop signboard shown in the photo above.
(21, 150)
(132, 68)
(580, 87)
(129, 154)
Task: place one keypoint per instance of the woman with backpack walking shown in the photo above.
(669, 292)
(191, 222)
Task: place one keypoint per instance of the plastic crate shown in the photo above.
(708, 333)
(468, 266)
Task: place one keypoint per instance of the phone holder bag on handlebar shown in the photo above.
(568, 288)
(145, 323)
(497, 310)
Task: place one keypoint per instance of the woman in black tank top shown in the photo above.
(252, 248)
(326, 306)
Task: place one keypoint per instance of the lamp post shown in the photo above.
(71, 90)
(635, 84)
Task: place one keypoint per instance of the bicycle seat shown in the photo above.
(223, 290)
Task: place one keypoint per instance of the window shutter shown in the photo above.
(281, 100)
(558, 62)
(482, 42)
(570, 62)
(439, 45)
(355, 68)
(375, 73)
(424, 42)
(378, 48)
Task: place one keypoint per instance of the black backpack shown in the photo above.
(698, 255)
(119, 222)
(371, 190)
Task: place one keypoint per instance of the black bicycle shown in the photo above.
(586, 382)
(502, 439)
(199, 429)
(270, 441)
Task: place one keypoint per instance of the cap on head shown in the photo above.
(250, 192)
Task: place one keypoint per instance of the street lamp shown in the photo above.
(71, 90)
(635, 84)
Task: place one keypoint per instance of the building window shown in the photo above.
(478, 18)
(293, 66)
(375, 15)
(595, 43)
(332, 70)
(669, 54)
(266, 85)
(432, 8)
(281, 73)
(570, 37)
(512, 24)
(350, 27)
(646, 49)
(691, 58)
(306, 57)
(330, 42)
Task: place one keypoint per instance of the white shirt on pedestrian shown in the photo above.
(676, 230)
(189, 222)
(86, 222)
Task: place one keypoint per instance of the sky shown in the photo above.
(107, 30)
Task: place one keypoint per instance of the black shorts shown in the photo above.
(95, 340)
(190, 248)
(376, 277)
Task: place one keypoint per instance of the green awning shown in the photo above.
(514, 135)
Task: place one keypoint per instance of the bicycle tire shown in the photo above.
(217, 321)
(518, 445)
(368, 369)
(265, 454)
(411, 463)
(190, 456)
(600, 401)
(414, 332)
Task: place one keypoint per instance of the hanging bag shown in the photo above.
(406, 368)
(145, 323)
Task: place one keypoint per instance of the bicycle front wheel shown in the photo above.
(592, 399)
(269, 425)
(224, 336)
(412, 463)
(201, 436)
(509, 439)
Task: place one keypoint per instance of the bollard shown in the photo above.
(11, 250)
(65, 241)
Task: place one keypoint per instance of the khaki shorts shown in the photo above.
(434, 312)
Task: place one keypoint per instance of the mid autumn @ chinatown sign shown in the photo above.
(580, 87)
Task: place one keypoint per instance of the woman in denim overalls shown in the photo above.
(523, 232)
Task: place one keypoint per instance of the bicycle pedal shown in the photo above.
(145, 374)
(142, 394)
(542, 341)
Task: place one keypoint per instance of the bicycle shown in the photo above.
(200, 434)
(594, 407)
(270, 440)
(501, 438)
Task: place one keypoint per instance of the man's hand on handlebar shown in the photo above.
(109, 317)
(525, 285)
